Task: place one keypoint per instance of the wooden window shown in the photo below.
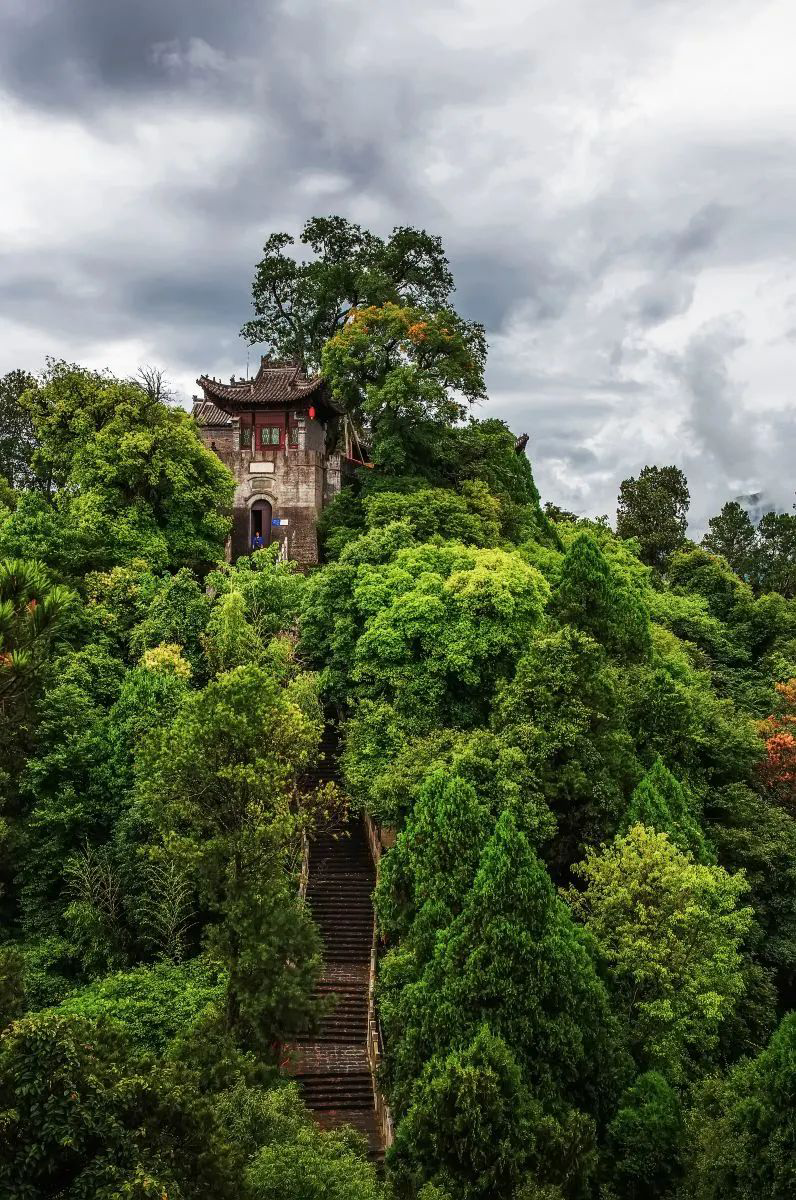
(292, 435)
(245, 437)
(270, 435)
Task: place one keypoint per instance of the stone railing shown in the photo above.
(304, 877)
(383, 1115)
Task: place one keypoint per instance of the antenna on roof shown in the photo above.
(247, 362)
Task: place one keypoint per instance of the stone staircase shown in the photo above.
(332, 1066)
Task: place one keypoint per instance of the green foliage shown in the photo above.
(731, 535)
(777, 553)
(759, 838)
(471, 484)
(84, 1121)
(177, 614)
(400, 374)
(17, 438)
(154, 1005)
(231, 640)
(743, 1127)
(32, 612)
(512, 958)
(564, 709)
(671, 931)
(300, 305)
(436, 855)
(660, 802)
(12, 984)
(596, 599)
(472, 517)
(272, 590)
(298, 1160)
(429, 634)
(473, 1129)
(654, 509)
(130, 479)
(220, 783)
(644, 1140)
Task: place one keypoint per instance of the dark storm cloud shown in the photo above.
(65, 54)
(581, 233)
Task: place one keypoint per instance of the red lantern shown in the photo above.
(311, 412)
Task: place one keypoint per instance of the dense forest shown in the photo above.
(584, 741)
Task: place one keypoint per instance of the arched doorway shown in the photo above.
(260, 521)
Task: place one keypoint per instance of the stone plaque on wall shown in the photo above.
(261, 468)
(259, 485)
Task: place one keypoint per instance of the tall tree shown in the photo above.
(299, 305)
(129, 478)
(743, 1127)
(593, 597)
(654, 509)
(777, 553)
(515, 958)
(671, 930)
(403, 373)
(221, 783)
(660, 802)
(17, 437)
(732, 535)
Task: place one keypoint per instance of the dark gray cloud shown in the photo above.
(614, 183)
(72, 55)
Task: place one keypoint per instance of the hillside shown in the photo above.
(575, 746)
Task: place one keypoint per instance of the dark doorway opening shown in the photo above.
(261, 522)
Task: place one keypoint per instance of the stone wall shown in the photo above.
(296, 481)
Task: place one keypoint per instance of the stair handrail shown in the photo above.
(304, 877)
(375, 1041)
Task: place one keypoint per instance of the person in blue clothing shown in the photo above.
(257, 542)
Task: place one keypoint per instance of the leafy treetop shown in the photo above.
(300, 305)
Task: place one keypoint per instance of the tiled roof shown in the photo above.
(276, 384)
(207, 413)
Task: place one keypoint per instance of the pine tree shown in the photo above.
(593, 598)
(743, 1127)
(515, 958)
(660, 803)
(471, 1126)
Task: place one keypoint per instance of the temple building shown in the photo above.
(277, 433)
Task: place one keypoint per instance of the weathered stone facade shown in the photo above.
(276, 434)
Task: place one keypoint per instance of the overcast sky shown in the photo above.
(614, 181)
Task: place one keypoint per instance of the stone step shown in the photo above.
(331, 1065)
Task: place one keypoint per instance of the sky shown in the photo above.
(614, 182)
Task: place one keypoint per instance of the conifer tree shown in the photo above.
(591, 597)
(515, 958)
(436, 855)
(471, 1128)
(644, 1140)
(660, 802)
(444, 835)
(743, 1127)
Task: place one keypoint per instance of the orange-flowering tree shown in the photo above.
(778, 768)
(405, 374)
